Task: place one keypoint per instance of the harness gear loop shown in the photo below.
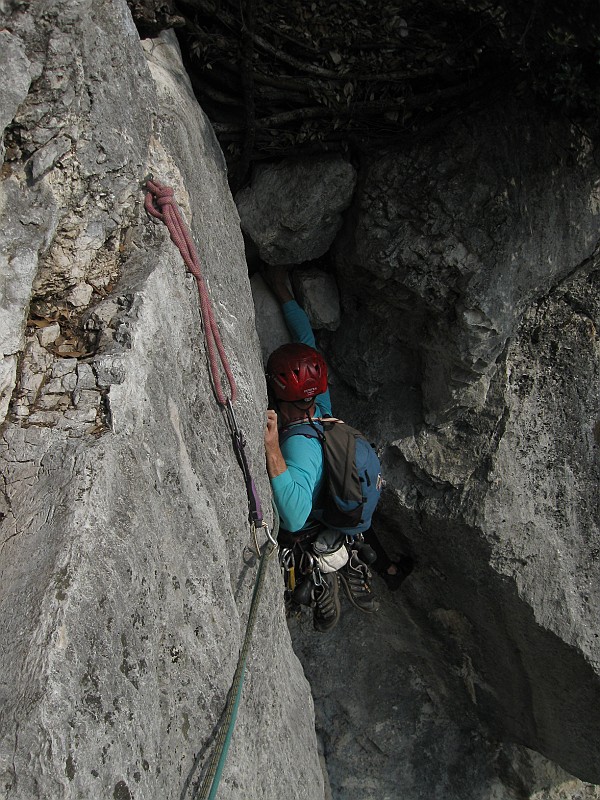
(288, 566)
(160, 203)
(306, 563)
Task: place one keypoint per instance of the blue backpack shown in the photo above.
(352, 480)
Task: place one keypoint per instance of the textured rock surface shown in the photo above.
(318, 293)
(392, 723)
(270, 323)
(470, 289)
(462, 234)
(292, 210)
(468, 349)
(124, 579)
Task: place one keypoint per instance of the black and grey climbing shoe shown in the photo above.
(327, 603)
(355, 577)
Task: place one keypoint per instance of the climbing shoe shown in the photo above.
(355, 577)
(327, 603)
(302, 594)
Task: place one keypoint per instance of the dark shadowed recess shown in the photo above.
(281, 77)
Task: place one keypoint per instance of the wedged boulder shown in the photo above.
(125, 574)
(292, 209)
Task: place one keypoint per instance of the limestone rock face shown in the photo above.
(469, 281)
(318, 293)
(270, 323)
(292, 209)
(467, 349)
(463, 234)
(125, 574)
(401, 722)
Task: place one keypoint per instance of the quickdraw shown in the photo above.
(239, 447)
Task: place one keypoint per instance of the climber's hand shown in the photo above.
(275, 460)
(271, 432)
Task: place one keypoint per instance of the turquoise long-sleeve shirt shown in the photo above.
(297, 489)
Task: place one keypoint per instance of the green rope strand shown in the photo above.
(210, 784)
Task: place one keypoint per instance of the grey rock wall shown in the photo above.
(318, 294)
(125, 575)
(468, 350)
(464, 233)
(401, 722)
(269, 319)
(471, 265)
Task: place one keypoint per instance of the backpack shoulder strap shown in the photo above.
(314, 431)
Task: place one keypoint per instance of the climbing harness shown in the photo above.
(160, 203)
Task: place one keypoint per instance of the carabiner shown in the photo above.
(317, 577)
(269, 537)
(306, 563)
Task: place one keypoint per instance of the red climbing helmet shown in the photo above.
(296, 372)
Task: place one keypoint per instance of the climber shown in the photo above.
(296, 467)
